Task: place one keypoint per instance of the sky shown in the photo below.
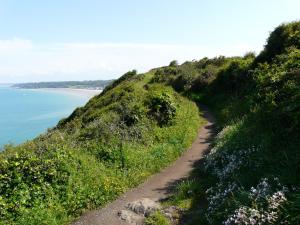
(53, 40)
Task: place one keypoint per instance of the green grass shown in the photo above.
(103, 149)
(141, 123)
(157, 219)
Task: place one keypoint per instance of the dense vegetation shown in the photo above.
(128, 132)
(251, 175)
(88, 84)
(140, 123)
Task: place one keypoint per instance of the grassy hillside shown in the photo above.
(142, 122)
(128, 132)
(251, 175)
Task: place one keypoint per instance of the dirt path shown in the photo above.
(158, 186)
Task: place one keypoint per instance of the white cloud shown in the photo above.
(15, 44)
(23, 60)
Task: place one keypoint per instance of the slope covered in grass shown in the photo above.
(119, 138)
(140, 123)
(251, 175)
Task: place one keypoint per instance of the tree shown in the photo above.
(173, 63)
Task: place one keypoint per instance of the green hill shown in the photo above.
(122, 136)
(142, 122)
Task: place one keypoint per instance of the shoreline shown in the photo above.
(89, 93)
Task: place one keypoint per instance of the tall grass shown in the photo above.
(99, 152)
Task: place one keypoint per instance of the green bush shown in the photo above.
(234, 77)
(278, 87)
(162, 109)
(282, 38)
(126, 77)
(173, 63)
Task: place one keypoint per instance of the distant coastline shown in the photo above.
(89, 84)
(73, 91)
(87, 89)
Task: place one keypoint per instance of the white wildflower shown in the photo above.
(276, 200)
(261, 215)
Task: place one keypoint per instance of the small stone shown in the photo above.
(130, 217)
(168, 215)
(144, 206)
(172, 212)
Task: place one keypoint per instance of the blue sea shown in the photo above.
(24, 114)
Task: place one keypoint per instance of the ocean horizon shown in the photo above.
(27, 113)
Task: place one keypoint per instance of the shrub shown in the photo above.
(164, 75)
(162, 108)
(233, 78)
(126, 77)
(282, 38)
(278, 88)
(173, 63)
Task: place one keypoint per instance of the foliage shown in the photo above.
(282, 38)
(140, 124)
(101, 150)
(232, 78)
(173, 63)
(127, 76)
(157, 219)
(278, 87)
(162, 108)
(190, 76)
(251, 174)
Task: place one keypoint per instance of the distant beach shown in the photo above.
(89, 93)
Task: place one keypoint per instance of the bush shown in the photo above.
(234, 77)
(164, 75)
(162, 109)
(282, 38)
(26, 178)
(126, 77)
(278, 87)
(173, 63)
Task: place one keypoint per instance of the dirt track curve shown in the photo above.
(158, 186)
